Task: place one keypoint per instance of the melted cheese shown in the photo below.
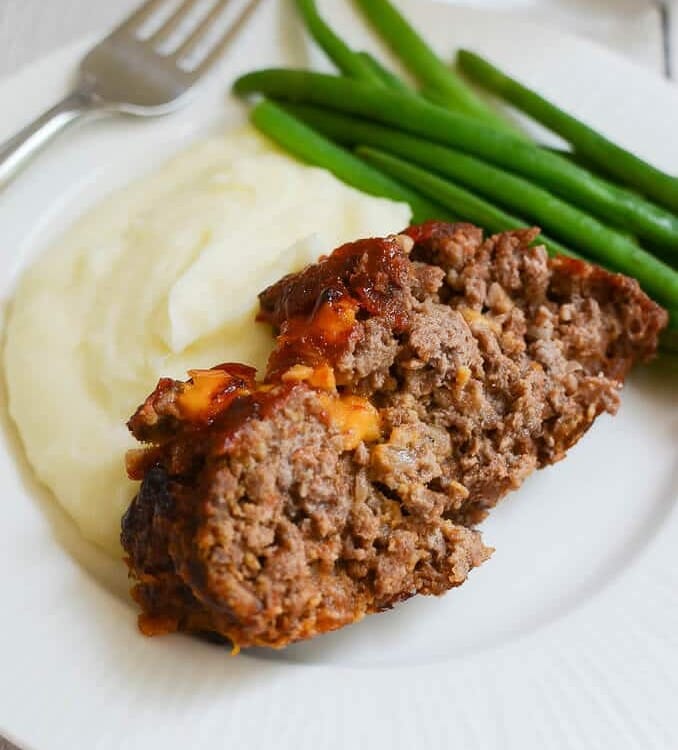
(354, 417)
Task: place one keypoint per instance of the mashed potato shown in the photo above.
(159, 278)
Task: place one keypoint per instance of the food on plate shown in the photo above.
(158, 278)
(415, 380)
(277, 534)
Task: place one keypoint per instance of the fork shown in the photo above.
(130, 74)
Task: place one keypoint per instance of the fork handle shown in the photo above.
(16, 152)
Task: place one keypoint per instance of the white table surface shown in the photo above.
(30, 29)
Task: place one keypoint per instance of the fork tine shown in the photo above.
(220, 47)
(189, 44)
(139, 16)
(166, 30)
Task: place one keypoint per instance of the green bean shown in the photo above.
(346, 60)
(598, 149)
(313, 148)
(662, 244)
(458, 200)
(436, 96)
(360, 65)
(387, 77)
(413, 114)
(423, 62)
(655, 277)
(579, 160)
(576, 228)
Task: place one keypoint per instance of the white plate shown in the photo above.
(567, 638)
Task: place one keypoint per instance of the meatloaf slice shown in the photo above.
(261, 522)
(512, 354)
(415, 380)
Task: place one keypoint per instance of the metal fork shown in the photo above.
(128, 74)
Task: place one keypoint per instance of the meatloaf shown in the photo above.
(415, 380)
